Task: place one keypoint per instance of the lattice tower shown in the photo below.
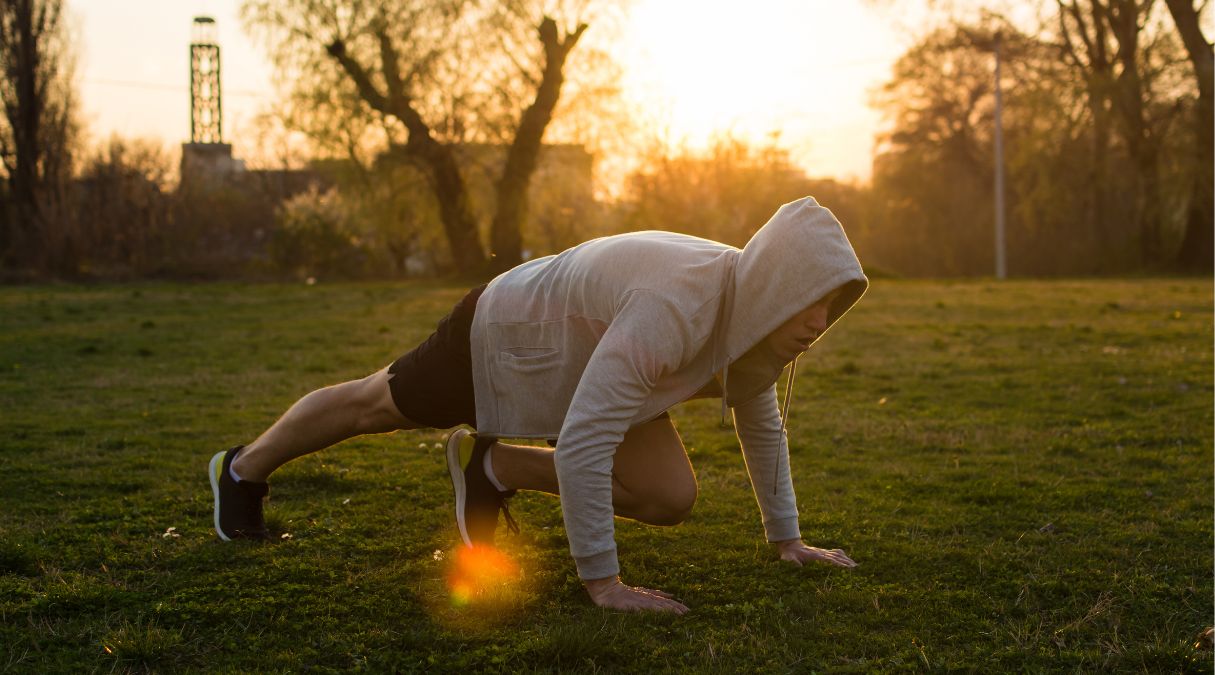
(206, 106)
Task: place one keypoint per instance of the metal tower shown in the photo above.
(206, 108)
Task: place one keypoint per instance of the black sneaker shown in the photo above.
(477, 500)
(238, 506)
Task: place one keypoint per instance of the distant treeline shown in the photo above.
(1106, 121)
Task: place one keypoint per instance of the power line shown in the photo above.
(861, 62)
(171, 87)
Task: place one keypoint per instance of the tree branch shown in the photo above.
(7, 155)
(1185, 17)
(1100, 56)
(390, 61)
(367, 89)
(1068, 45)
(1081, 28)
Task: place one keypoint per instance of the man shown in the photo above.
(588, 349)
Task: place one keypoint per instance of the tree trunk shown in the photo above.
(1091, 57)
(24, 112)
(1099, 223)
(459, 225)
(1197, 251)
(506, 230)
(448, 184)
(1123, 18)
(37, 108)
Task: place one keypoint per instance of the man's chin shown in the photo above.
(786, 356)
(775, 356)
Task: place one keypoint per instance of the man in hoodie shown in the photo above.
(588, 349)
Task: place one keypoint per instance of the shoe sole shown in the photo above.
(457, 479)
(217, 465)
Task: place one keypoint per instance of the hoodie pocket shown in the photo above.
(530, 384)
(529, 360)
(527, 348)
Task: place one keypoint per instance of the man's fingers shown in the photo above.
(655, 591)
(678, 607)
(662, 601)
(844, 556)
(647, 602)
(637, 599)
(837, 557)
(674, 606)
(834, 556)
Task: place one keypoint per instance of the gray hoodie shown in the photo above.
(584, 345)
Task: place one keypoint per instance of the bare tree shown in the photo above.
(441, 75)
(521, 157)
(1197, 247)
(37, 132)
(1123, 162)
(1110, 42)
(933, 173)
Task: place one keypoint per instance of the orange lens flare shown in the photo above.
(479, 572)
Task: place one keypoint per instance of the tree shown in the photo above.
(440, 75)
(38, 128)
(1198, 246)
(1099, 169)
(120, 212)
(931, 207)
(1122, 63)
(725, 192)
(933, 173)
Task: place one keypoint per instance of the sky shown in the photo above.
(801, 67)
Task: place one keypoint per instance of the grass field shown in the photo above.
(1023, 471)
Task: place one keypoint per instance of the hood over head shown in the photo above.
(799, 256)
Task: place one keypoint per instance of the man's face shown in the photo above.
(797, 334)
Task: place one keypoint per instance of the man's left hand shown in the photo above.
(796, 552)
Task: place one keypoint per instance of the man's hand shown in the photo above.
(796, 552)
(613, 594)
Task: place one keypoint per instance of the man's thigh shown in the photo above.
(652, 458)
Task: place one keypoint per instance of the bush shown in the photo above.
(314, 238)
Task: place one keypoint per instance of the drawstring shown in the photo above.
(720, 353)
(784, 411)
(784, 418)
(725, 376)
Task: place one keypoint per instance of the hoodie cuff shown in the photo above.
(782, 529)
(598, 566)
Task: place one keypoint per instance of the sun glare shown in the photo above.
(480, 572)
(800, 68)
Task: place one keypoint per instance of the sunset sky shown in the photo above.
(803, 68)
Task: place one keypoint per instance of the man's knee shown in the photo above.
(372, 398)
(670, 506)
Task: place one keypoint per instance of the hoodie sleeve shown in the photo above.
(766, 450)
(645, 341)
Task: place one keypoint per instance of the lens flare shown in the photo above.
(479, 572)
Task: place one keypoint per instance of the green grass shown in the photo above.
(1022, 469)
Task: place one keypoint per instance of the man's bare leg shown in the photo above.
(652, 479)
(323, 418)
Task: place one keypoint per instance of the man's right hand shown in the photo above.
(614, 594)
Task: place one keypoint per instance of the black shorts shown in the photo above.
(432, 384)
